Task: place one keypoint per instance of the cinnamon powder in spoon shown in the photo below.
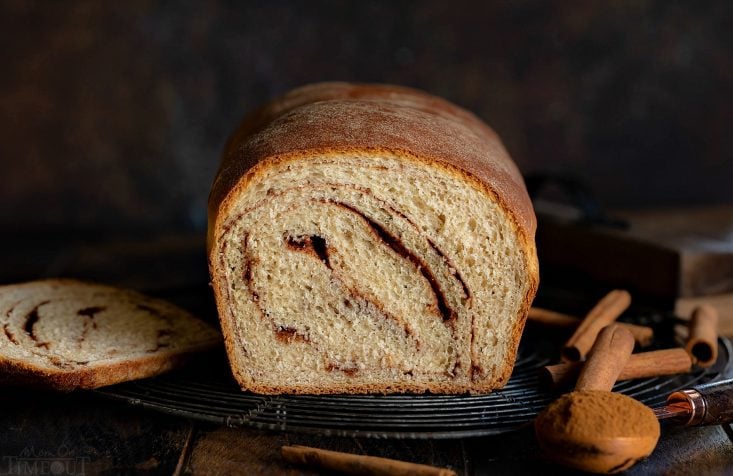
(588, 425)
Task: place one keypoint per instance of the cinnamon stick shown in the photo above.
(702, 343)
(604, 313)
(358, 464)
(552, 318)
(642, 365)
(608, 356)
(643, 335)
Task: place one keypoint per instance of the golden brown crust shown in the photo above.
(342, 118)
(13, 372)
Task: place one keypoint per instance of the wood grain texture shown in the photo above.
(253, 452)
(671, 253)
(86, 434)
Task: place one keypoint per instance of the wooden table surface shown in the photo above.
(84, 433)
(90, 435)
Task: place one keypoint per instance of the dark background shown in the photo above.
(113, 114)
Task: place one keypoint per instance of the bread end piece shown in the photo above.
(64, 334)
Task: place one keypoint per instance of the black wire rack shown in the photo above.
(206, 392)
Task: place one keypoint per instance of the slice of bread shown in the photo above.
(370, 238)
(66, 334)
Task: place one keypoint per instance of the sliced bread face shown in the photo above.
(66, 334)
(370, 273)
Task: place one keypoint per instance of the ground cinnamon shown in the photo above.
(593, 429)
(589, 415)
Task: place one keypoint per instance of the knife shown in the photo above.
(707, 404)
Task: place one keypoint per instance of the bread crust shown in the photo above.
(15, 372)
(344, 118)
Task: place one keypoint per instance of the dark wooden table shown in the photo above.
(83, 433)
(89, 435)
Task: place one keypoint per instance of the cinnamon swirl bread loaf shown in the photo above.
(66, 334)
(370, 238)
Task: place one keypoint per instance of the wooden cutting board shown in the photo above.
(723, 303)
(666, 254)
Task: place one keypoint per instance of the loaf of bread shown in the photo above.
(370, 238)
(66, 334)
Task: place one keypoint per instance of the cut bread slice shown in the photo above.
(370, 239)
(66, 334)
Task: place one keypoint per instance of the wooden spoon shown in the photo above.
(593, 429)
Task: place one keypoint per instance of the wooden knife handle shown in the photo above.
(711, 403)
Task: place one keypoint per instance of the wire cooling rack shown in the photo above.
(206, 392)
